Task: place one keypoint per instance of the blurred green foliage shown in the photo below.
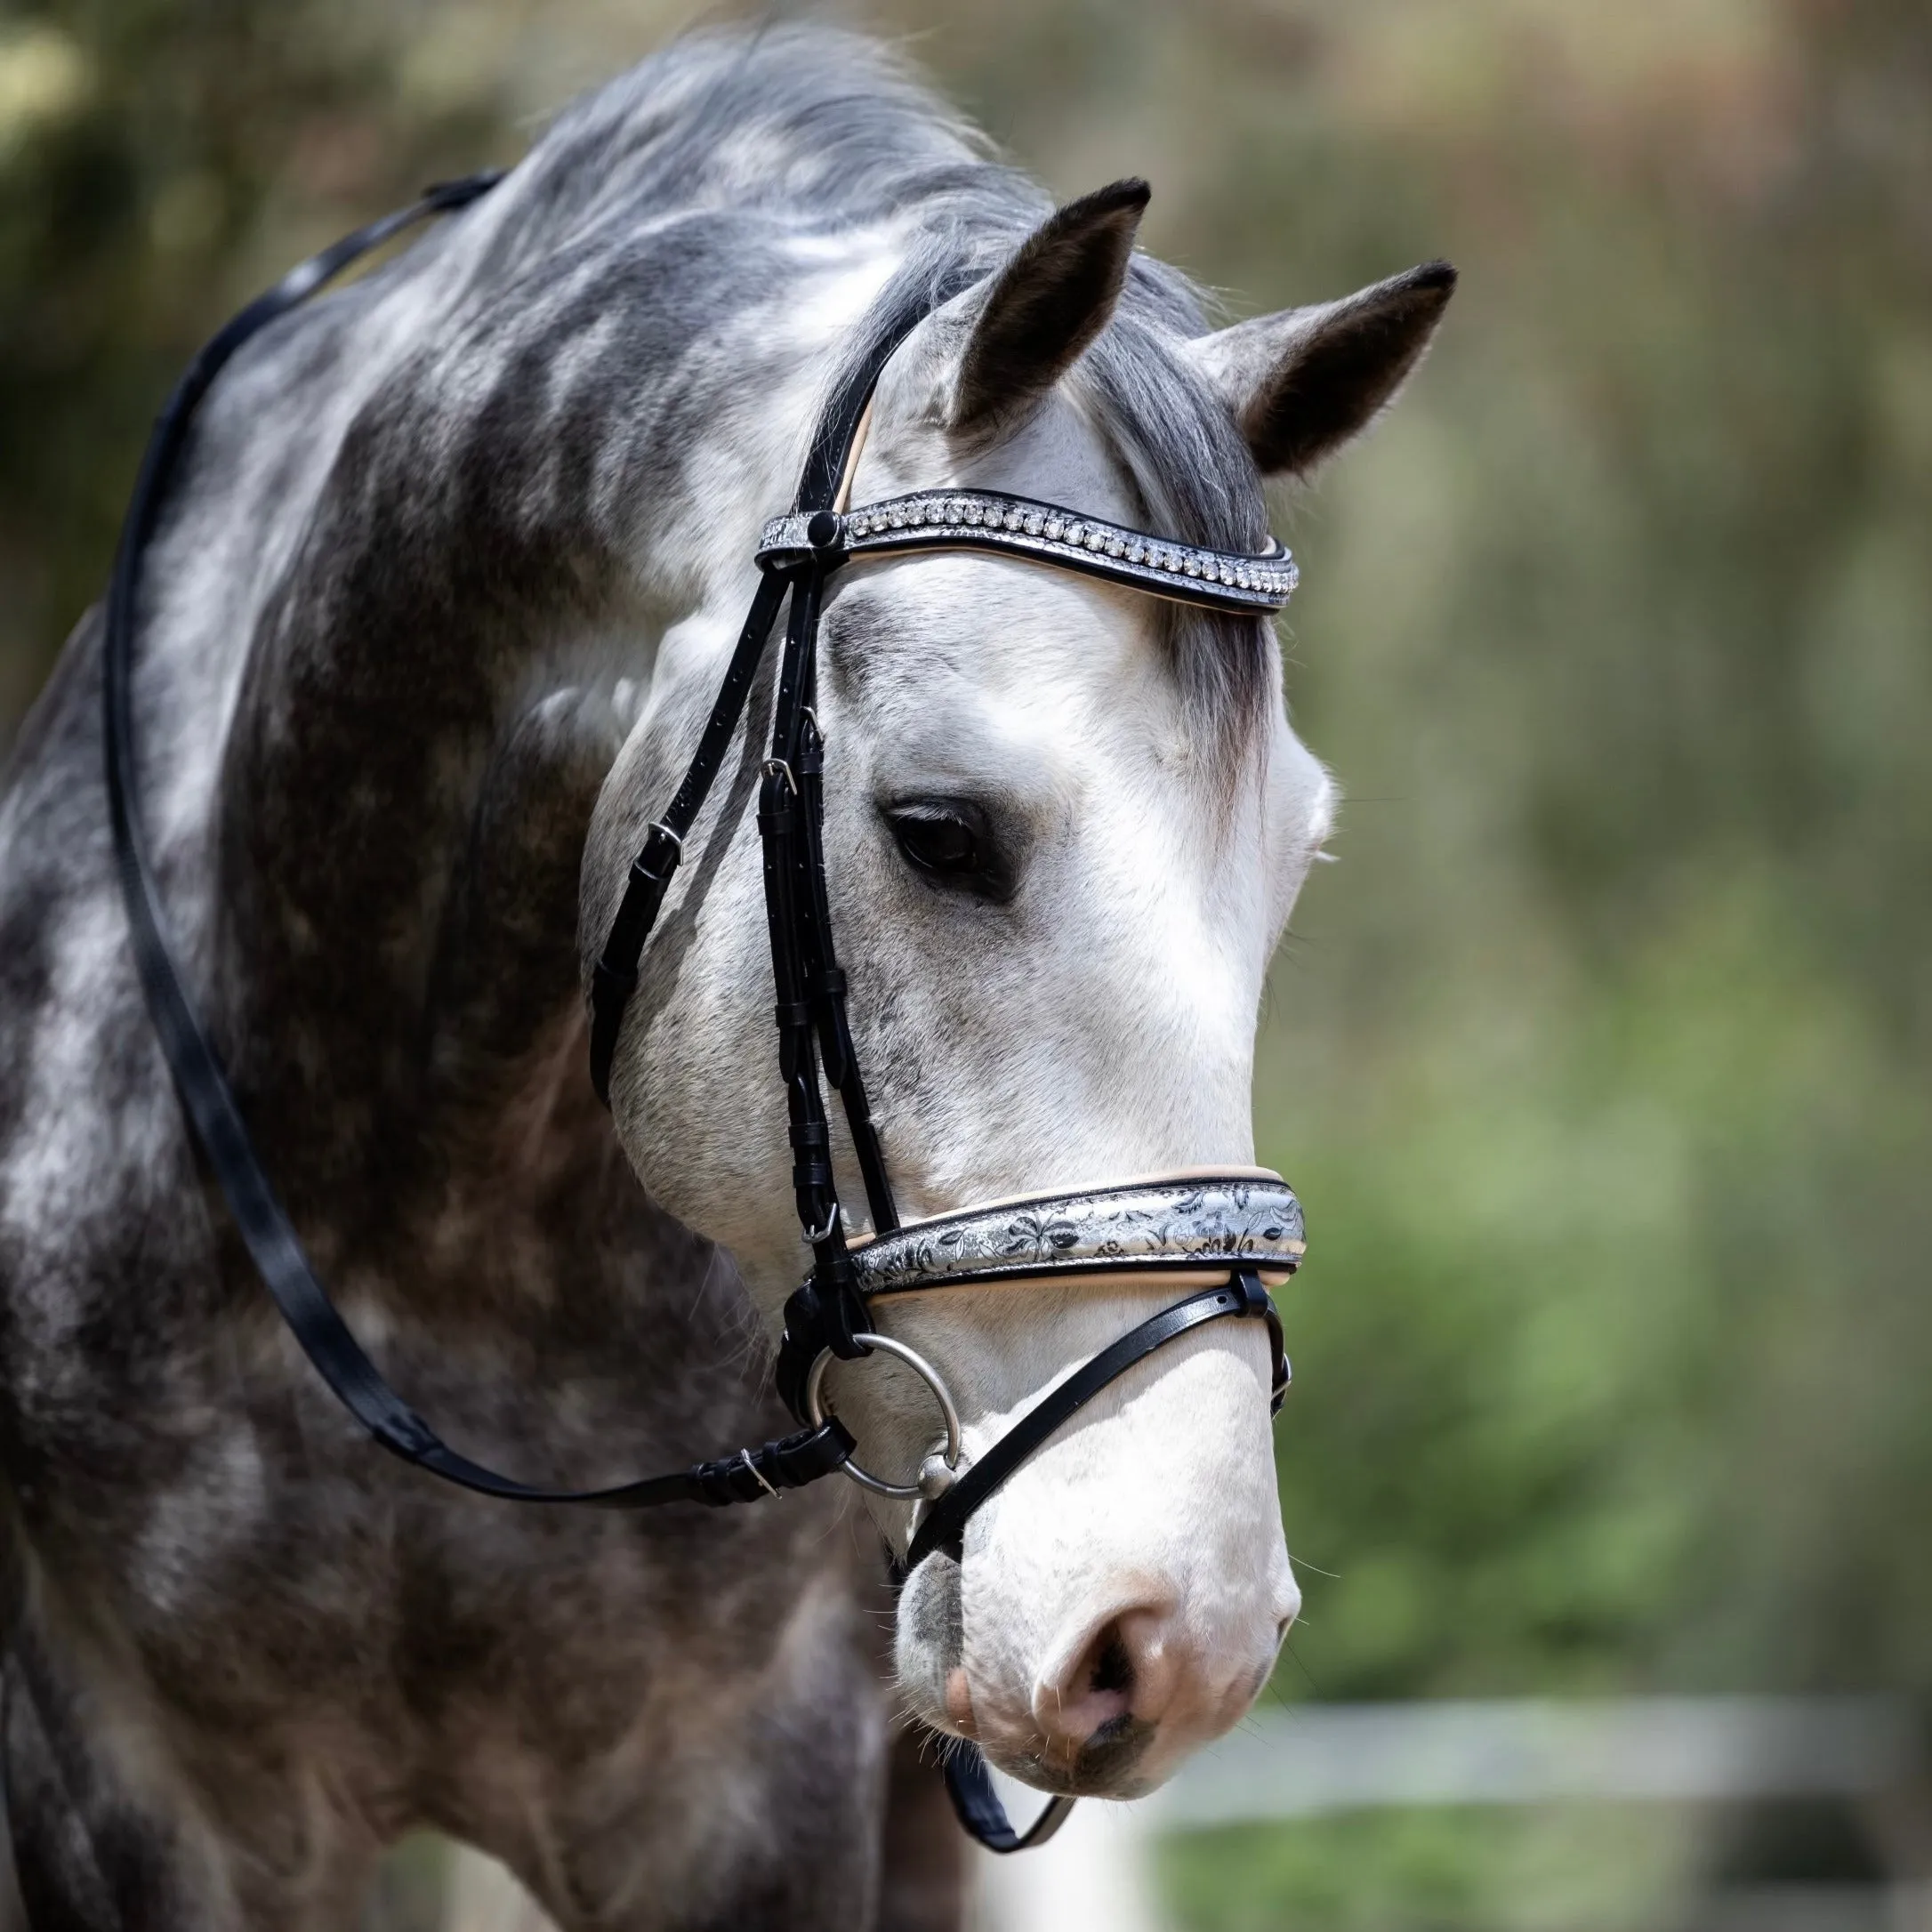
(1569, 1869)
(158, 158)
(1604, 1059)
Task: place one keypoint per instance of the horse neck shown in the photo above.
(417, 735)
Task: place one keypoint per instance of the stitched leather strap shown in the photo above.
(942, 1526)
(977, 1807)
(614, 978)
(824, 981)
(746, 1476)
(832, 1306)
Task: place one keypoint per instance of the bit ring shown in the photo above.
(814, 1409)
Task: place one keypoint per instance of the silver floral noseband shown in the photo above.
(1229, 1236)
(1186, 1225)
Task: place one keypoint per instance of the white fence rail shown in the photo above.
(1316, 1758)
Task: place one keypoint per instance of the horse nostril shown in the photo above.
(1112, 1689)
(1113, 1666)
(1135, 1673)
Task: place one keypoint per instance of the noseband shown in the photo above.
(1224, 1237)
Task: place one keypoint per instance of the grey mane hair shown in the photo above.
(801, 123)
(862, 143)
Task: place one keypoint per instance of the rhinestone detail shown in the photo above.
(1244, 583)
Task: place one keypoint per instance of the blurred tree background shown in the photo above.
(1602, 1057)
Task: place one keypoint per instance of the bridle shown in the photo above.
(1226, 1237)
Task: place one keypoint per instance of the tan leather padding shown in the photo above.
(1149, 1277)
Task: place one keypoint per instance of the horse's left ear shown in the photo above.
(1039, 313)
(1300, 383)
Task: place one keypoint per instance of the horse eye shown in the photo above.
(952, 840)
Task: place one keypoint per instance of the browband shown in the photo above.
(1039, 533)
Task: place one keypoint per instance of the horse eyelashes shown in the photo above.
(953, 841)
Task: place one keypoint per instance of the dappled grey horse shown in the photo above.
(435, 615)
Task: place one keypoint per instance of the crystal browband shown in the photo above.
(1018, 527)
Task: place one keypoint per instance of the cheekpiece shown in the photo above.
(1213, 1223)
(1043, 533)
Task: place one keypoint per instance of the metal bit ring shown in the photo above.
(816, 1411)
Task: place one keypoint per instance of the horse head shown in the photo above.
(1065, 824)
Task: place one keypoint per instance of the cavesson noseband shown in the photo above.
(1227, 1237)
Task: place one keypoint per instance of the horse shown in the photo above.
(429, 626)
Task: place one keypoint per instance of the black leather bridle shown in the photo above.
(1226, 1236)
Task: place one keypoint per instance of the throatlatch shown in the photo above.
(1226, 1237)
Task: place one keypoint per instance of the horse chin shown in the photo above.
(1119, 1766)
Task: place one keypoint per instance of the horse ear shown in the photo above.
(1300, 383)
(1044, 307)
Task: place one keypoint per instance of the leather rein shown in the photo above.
(1229, 1238)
